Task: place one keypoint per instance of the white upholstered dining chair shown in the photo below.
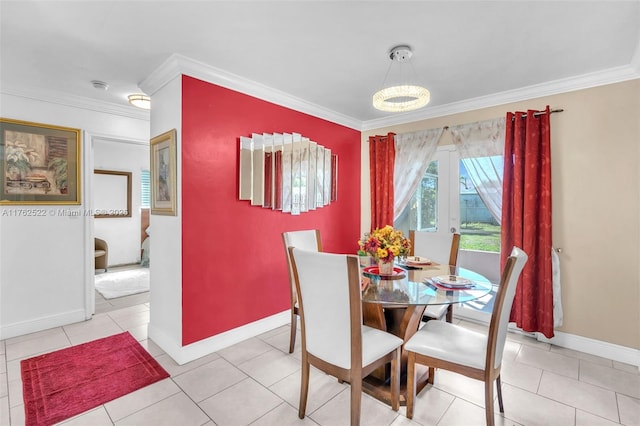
(477, 355)
(306, 240)
(442, 249)
(334, 339)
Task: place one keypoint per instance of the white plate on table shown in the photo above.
(417, 261)
(452, 281)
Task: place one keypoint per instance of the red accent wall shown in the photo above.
(234, 268)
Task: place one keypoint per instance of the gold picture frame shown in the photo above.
(163, 174)
(111, 194)
(39, 163)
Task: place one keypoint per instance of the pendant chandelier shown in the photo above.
(403, 96)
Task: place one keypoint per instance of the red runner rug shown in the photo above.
(61, 384)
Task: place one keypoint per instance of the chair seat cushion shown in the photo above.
(443, 340)
(377, 343)
(100, 253)
(435, 311)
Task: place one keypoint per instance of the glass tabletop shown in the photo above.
(420, 286)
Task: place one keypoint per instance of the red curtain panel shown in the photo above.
(526, 216)
(382, 153)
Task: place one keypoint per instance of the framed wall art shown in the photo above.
(163, 174)
(39, 163)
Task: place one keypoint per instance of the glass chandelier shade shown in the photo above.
(401, 98)
(404, 96)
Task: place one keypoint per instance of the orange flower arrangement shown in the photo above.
(384, 244)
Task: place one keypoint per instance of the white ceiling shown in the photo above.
(330, 54)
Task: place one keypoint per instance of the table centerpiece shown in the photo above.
(384, 245)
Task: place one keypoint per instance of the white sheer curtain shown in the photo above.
(413, 154)
(558, 314)
(481, 148)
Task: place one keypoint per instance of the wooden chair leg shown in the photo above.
(294, 326)
(488, 401)
(432, 375)
(304, 386)
(449, 316)
(395, 381)
(411, 383)
(356, 400)
(499, 386)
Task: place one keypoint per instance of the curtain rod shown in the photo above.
(535, 114)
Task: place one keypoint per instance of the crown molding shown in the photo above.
(74, 101)
(570, 84)
(177, 64)
(162, 75)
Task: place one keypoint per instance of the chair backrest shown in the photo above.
(439, 248)
(305, 240)
(330, 305)
(502, 306)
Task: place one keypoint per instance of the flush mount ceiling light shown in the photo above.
(140, 100)
(403, 96)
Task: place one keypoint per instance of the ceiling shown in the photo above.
(333, 55)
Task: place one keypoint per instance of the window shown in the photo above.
(428, 208)
(449, 198)
(145, 189)
(422, 211)
(479, 228)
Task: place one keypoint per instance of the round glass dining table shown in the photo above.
(396, 304)
(416, 286)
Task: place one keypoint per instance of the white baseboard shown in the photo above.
(565, 340)
(184, 354)
(43, 323)
(594, 347)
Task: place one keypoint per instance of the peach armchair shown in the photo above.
(101, 254)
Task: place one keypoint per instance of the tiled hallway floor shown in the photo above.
(257, 382)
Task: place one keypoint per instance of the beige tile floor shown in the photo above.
(256, 382)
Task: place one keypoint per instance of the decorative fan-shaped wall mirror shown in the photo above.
(287, 172)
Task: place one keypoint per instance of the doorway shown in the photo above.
(447, 201)
(122, 233)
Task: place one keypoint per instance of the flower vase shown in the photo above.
(385, 268)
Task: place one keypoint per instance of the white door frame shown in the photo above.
(89, 261)
(449, 212)
(87, 194)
